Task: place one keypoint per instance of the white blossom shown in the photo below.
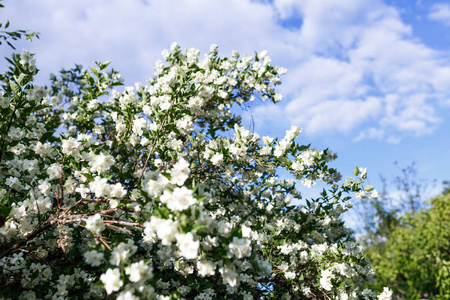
(111, 280)
(180, 172)
(240, 247)
(94, 258)
(95, 224)
(385, 295)
(139, 271)
(217, 159)
(188, 246)
(100, 163)
(206, 267)
(180, 199)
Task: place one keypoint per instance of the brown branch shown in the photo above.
(126, 133)
(123, 223)
(39, 230)
(103, 240)
(157, 136)
(119, 228)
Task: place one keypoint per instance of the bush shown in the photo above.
(159, 192)
(415, 259)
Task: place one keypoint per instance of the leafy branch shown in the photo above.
(6, 36)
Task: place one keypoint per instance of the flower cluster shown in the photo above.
(158, 192)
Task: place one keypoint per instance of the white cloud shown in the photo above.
(393, 139)
(370, 133)
(440, 12)
(352, 65)
(339, 115)
(133, 33)
(363, 66)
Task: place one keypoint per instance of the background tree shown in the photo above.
(407, 242)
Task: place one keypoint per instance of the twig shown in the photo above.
(157, 136)
(103, 240)
(17, 245)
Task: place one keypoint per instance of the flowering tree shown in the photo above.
(159, 192)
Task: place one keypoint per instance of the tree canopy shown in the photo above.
(407, 240)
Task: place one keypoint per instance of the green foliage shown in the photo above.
(381, 214)
(415, 260)
(407, 240)
(446, 188)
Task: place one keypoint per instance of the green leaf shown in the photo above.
(104, 65)
(368, 188)
(198, 227)
(184, 220)
(23, 79)
(200, 198)
(167, 175)
(10, 61)
(356, 171)
(89, 176)
(11, 45)
(182, 73)
(256, 266)
(15, 88)
(174, 296)
(271, 228)
(107, 176)
(163, 213)
(96, 72)
(303, 147)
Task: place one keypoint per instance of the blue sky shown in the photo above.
(370, 79)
